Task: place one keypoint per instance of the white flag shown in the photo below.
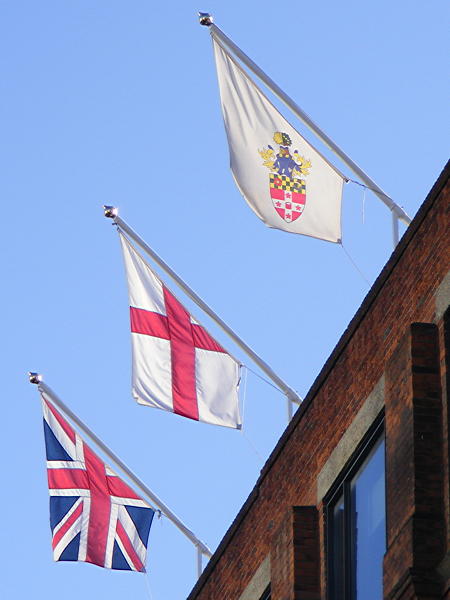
(285, 181)
(177, 365)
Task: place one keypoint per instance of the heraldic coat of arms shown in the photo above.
(287, 189)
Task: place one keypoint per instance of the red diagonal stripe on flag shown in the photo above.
(129, 547)
(67, 525)
(64, 425)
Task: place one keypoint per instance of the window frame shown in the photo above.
(342, 488)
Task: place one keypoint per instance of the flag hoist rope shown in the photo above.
(165, 510)
(292, 396)
(396, 211)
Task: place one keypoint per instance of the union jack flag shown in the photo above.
(95, 517)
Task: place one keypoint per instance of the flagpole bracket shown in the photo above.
(110, 212)
(205, 19)
(293, 397)
(35, 378)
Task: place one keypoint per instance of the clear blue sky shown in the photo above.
(117, 103)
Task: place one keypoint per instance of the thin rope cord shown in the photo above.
(364, 207)
(253, 447)
(354, 264)
(264, 379)
(246, 438)
(369, 188)
(271, 384)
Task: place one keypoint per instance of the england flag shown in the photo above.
(177, 365)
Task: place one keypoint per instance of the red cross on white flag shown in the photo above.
(177, 365)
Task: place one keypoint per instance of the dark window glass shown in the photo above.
(368, 512)
(356, 525)
(266, 595)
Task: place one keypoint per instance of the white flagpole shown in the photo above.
(112, 213)
(45, 389)
(397, 211)
(395, 234)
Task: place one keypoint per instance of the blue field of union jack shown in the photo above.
(95, 516)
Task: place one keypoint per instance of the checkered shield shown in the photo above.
(288, 196)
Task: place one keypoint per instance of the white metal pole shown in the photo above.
(206, 19)
(111, 212)
(395, 234)
(45, 389)
(199, 561)
(290, 411)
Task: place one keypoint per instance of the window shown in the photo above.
(266, 595)
(356, 524)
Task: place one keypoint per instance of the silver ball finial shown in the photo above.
(110, 211)
(35, 378)
(205, 19)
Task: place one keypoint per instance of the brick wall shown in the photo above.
(295, 555)
(414, 467)
(378, 339)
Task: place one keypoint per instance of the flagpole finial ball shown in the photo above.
(205, 19)
(35, 378)
(110, 211)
